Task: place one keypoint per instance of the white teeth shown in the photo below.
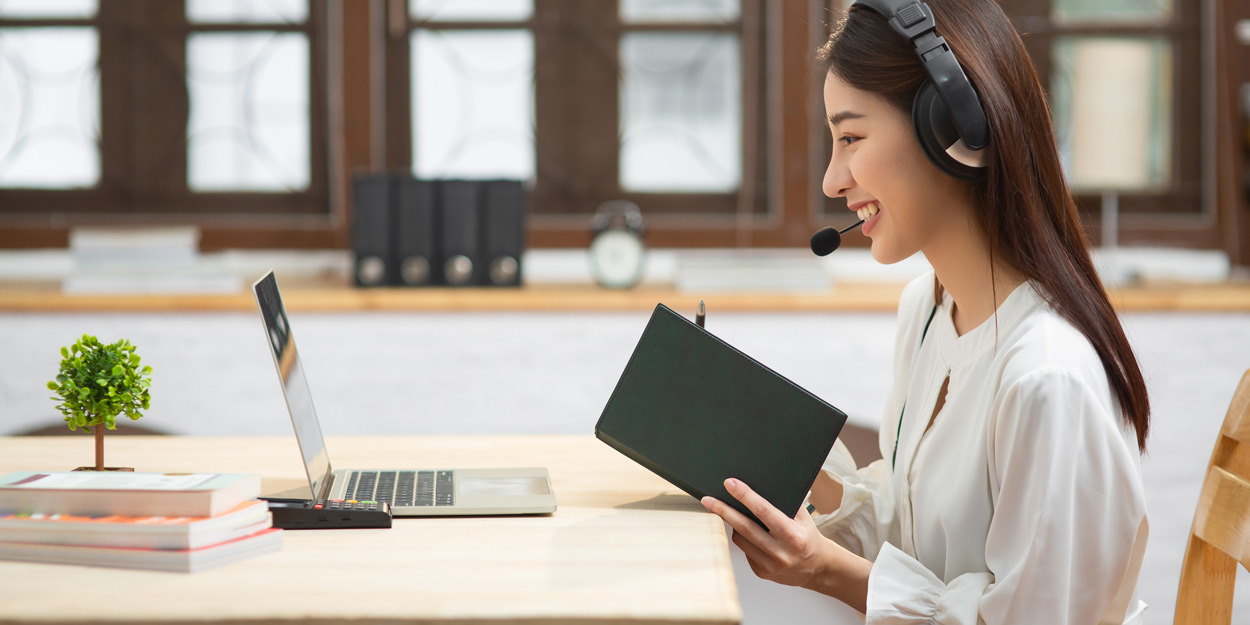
(868, 210)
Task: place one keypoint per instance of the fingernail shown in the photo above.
(731, 483)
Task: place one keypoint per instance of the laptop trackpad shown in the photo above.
(501, 486)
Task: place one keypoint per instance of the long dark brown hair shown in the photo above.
(1023, 206)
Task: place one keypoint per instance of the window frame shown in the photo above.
(1176, 213)
(144, 109)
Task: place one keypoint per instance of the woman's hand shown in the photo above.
(792, 551)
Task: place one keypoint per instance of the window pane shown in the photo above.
(473, 10)
(248, 11)
(50, 95)
(473, 104)
(48, 8)
(1112, 100)
(681, 118)
(679, 10)
(248, 128)
(1111, 10)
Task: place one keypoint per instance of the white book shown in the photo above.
(131, 494)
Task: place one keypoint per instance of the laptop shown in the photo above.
(410, 492)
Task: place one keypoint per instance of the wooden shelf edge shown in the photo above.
(860, 297)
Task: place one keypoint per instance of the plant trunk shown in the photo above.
(99, 447)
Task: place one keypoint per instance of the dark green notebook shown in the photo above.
(696, 411)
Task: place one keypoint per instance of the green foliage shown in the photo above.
(99, 382)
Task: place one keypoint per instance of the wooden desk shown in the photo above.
(624, 546)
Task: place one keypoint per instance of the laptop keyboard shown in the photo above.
(402, 488)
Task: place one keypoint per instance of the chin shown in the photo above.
(886, 256)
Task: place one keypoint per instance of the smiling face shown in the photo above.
(877, 163)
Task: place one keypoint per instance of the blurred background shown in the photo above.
(157, 156)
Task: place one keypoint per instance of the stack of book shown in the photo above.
(164, 521)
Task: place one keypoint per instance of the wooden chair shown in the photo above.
(1220, 536)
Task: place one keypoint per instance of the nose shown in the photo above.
(838, 180)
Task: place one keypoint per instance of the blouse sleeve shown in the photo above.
(1069, 527)
(866, 519)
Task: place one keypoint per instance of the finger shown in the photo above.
(760, 560)
(740, 523)
(759, 569)
(778, 524)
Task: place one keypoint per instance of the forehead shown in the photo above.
(840, 96)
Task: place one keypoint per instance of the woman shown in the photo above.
(1009, 490)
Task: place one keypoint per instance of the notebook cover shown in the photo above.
(694, 410)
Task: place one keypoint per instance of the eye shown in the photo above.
(848, 139)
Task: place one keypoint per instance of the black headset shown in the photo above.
(950, 124)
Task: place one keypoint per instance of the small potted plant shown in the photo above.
(96, 384)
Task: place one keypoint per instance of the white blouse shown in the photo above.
(1022, 503)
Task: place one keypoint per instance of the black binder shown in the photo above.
(459, 214)
(695, 411)
(416, 233)
(374, 264)
(503, 231)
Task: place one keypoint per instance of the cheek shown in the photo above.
(874, 170)
(897, 173)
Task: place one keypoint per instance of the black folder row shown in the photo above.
(410, 232)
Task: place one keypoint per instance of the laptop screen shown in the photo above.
(294, 385)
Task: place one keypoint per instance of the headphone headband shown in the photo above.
(913, 19)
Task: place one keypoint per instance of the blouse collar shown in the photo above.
(956, 350)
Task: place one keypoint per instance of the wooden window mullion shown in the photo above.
(317, 31)
(115, 26)
(398, 88)
(576, 144)
(159, 102)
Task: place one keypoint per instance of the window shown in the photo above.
(681, 99)
(1124, 83)
(188, 111)
(657, 102)
(248, 127)
(471, 89)
(49, 88)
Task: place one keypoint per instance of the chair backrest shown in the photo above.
(1220, 536)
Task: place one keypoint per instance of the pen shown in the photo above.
(701, 315)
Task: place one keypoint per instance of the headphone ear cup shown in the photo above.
(936, 132)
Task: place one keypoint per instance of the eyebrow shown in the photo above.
(841, 116)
